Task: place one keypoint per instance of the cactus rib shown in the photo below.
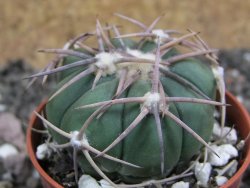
(73, 80)
(83, 146)
(137, 120)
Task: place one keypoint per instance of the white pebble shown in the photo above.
(2, 108)
(180, 184)
(7, 150)
(230, 134)
(229, 169)
(43, 151)
(220, 180)
(246, 56)
(225, 152)
(202, 173)
(87, 181)
(105, 184)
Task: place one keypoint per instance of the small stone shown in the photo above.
(5, 184)
(11, 131)
(7, 176)
(43, 151)
(246, 56)
(202, 173)
(2, 108)
(220, 180)
(7, 150)
(87, 181)
(180, 184)
(105, 184)
(225, 152)
(229, 134)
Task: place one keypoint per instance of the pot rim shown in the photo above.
(31, 152)
(236, 177)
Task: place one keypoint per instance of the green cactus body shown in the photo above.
(141, 146)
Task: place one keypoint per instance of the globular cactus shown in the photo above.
(133, 110)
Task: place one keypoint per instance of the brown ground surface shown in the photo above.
(28, 25)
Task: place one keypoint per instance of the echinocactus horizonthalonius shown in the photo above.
(133, 109)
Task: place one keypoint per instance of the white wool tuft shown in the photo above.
(106, 61)
(218, 72)
(43, 151)
(132, 67)
(220, 180)
(151, 99)
(160, 33)
(180, 184)
(75, 142)
(87, 181)
(202, 173)
(225, 152)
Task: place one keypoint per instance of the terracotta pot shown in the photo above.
(239, 116)
(33, 139)
(236, 114)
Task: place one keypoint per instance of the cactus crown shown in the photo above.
(133, 84)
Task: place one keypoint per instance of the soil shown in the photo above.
(16, 100)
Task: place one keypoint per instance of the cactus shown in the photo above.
(132, 109)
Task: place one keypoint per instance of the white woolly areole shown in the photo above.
(160, 33)
(151, 99)
(220, 180)
(87, 181)
(75, 142)
(180, 184)
(43, 151)
(229, 134)
(145, 68)
(218, 72)
(106, 61)
(225, 152)
(202, 173)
